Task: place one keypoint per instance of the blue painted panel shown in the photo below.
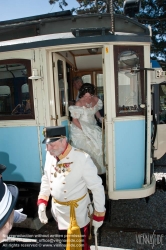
(43, 146)
(20, 153)
(155, 64)
(65, 123)
(129, 154)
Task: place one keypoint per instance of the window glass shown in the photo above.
(99, 84)
(86, 78)
(162, 99)
(62, 97)
(16, 97)
(129, 84)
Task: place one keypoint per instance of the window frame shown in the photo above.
(140, 51)
(27, 64)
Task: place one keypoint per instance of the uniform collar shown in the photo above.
(66, 152)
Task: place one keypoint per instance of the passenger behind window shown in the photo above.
(27, 109)
(22, 109)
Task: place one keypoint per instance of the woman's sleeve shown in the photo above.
(75, 111)
(99, 104)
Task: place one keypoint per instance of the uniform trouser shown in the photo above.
(84, 237)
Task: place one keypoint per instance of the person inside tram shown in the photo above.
(84, 131)
(27, 109)
(22, 109)
(77, 83)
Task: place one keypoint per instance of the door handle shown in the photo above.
(55, 119)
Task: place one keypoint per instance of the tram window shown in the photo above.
(128, 85)
(86, 78)
(62, 96)
(99, 83)
(16, 97)
(162, 100)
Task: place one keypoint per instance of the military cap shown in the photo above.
(52, 134)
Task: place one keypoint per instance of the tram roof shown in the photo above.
(62, 28)
(64, 21)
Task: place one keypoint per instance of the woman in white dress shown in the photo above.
(84, 131)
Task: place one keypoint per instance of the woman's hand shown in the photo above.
(76, 123)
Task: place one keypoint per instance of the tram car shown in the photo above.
(40, 55)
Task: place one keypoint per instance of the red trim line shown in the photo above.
(42, 201)
(98, 218)
(65, 149)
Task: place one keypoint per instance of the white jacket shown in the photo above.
(72, 185)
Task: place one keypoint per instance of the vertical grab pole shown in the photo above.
(146, 121)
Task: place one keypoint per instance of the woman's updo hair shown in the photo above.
(86, 88)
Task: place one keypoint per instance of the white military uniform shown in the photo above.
(69, 179)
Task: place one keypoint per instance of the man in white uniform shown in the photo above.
(68, 174)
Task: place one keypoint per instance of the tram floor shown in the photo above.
(136, 213)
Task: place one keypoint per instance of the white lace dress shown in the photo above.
(89, 138)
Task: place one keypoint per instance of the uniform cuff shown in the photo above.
(42, 201)
(98, 218)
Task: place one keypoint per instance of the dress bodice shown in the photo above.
(89, 137)
(86, 114)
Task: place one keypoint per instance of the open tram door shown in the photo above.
(128, 123)
(158, 89)
(60, 88)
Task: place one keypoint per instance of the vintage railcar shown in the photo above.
(40, 55)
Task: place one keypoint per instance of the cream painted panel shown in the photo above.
(89, 62)
(23, 54)
(160, 142)
(69, 57)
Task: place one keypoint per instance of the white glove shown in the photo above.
(19, 216)
(101, 119)
(42, 213)
(97, 224)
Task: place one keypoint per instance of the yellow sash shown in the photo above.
(74, 241)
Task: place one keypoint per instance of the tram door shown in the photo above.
(60, 92)
(127, 154)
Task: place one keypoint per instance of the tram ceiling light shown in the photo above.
(93, 51)
(35, 75)
(131, 7)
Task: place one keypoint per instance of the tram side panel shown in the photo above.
(129, 150)
(21, 148)
(19, 152)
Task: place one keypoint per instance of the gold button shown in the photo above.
(50, 188)
(64, 191)
(51, 173)
(63, 182)
(51, 181)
